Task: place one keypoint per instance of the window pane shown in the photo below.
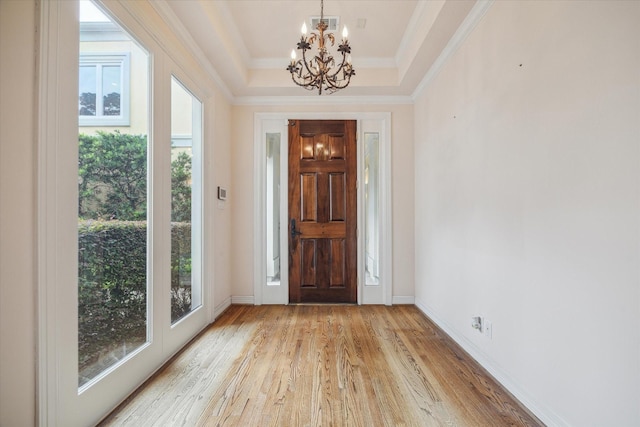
(87, 91)
(186, 131)
(111, 90)
(112, 216)
(273, 208)
(106, 56)
(371, 208)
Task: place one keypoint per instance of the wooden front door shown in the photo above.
(322, 211)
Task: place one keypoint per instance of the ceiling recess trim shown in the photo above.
(317, 100)
(276, 63)
(470, 22)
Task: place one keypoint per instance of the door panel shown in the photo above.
(337, 262)
(322, 211)
(337, 197)
(308, 262)
(308, 197)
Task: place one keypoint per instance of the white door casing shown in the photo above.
(277, 123)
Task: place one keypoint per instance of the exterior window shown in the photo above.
(186, 202)
(113, 230)
(103, 98)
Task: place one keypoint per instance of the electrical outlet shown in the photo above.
(476, 323)
(487, 328)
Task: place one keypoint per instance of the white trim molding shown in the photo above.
(374, 122)
(242, 300)
(220, 308)
(322, 100)
(403, 300)
(57, 95)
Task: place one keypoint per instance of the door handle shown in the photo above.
(294, 232)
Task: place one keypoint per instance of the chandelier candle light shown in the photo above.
(320, 72)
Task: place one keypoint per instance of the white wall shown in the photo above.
(221, 258)
(17, 213)
(528, 204)
(241, 194)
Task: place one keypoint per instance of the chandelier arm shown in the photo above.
(339, 83)
(313, 77)
(333, 80)
(296, 74)
(340, 67)
(297, 77)
(303, 85)
(306, 63)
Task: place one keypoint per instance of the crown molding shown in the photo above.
(402, 54)
(473, 18)
(183, 35)
(232, 32)
(359, 63)
(322, 100)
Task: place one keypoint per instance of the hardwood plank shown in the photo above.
(321, 365)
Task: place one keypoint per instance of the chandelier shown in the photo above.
(321, 72)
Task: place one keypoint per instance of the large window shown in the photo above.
(113, 308)
(107, 205)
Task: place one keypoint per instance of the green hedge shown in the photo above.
(112, 290)
(180, 269)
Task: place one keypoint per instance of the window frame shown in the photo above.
(59, 402)
(195, 142)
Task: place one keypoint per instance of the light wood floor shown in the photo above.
(319, 366)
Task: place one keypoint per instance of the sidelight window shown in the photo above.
(273, 208)
(372, 208)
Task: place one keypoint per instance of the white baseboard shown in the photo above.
(220, 308)
(244, 300)
(545, 414)
(248, 300)
(403, 300)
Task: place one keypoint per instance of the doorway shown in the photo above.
(322, 207)
(272, 222)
